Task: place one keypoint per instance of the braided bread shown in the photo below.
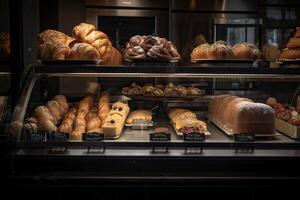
(87, 33)
(83, 51)
(135, 52)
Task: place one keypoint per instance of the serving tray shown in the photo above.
(71, 62)
(287, 129)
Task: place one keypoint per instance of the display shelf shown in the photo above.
(190, 69)
(140, 139)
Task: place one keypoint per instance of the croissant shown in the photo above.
(52, 36)
(93, 123)
(83, 51)
(93, 113)
(66, 125)
(44, 119)
(71, 113)
(4, 46)
(55, 110)
(56, 51)
(115, 58)
(86, 104)
(87, 33)
(62, 100)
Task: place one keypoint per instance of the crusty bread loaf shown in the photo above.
(246, 51)
(242, 115)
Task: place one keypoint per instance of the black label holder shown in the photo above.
(160, 138)
(193, 138)
(94, 141)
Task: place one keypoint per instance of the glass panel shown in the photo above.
(290, 14)
(274, 13)
(274, 37)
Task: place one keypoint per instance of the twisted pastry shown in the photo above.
(151, 41)
(135, 52)
(87, 33)
(62, 100)
(290, 53)
(94, 123)
(66, 125)
(83, 51)
(160, 53)
(136, 41)
(44, 119)
(55, 110)
(219, 50)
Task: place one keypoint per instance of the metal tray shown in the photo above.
(221, 126)
(287, 129)
(288, 62)
(139, 125)
(71, 62)
(151, 62)
(181, 134)
(161, 98)
(249, 61)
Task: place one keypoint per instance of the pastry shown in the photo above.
(290, 53)
(297, 33)
(246, 51)
(200, 52)
(62, 100)
(55, 51)
(30, 126)
(241, 115)
(86, 104)
(52, 36)
(139, 115)
(194, 91)
(66, 125)
(55, 110)
(45, 121)
(135, 52)
(93, 123)
(114, 123)
(87, 33)
(136, 41)
(150, 41)
(293, 43)
(219, 50)
(77, 133)
(83, 51)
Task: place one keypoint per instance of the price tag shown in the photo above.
(243, 137)
(58, 136)
(160, 137)
(35, 137)
(93, 136)
(197, 137)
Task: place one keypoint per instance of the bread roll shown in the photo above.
(219, 50)
(246, 51)
(200, 52)
(62, 100)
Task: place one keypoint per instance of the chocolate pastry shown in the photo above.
(160, 53)
(151, 41)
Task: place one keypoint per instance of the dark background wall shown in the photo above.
(4, 15)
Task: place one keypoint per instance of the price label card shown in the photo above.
(58, 136)
(160, 137)
(243, 137)
(197, 137)
(93, 137)
(35, 137)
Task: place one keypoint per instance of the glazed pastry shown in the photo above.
(200, 52)
(290, 53)
(83, 51)
(136, 41)
(219, 50)
(193, 91)
(4, 46)
(150, 41)
(46, 122)
(62, 100)
(246, 51)
(293, 43)
(139, 115)
(55, 110)
(135, 52)
(159, 53)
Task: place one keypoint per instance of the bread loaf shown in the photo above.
(242, 115)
